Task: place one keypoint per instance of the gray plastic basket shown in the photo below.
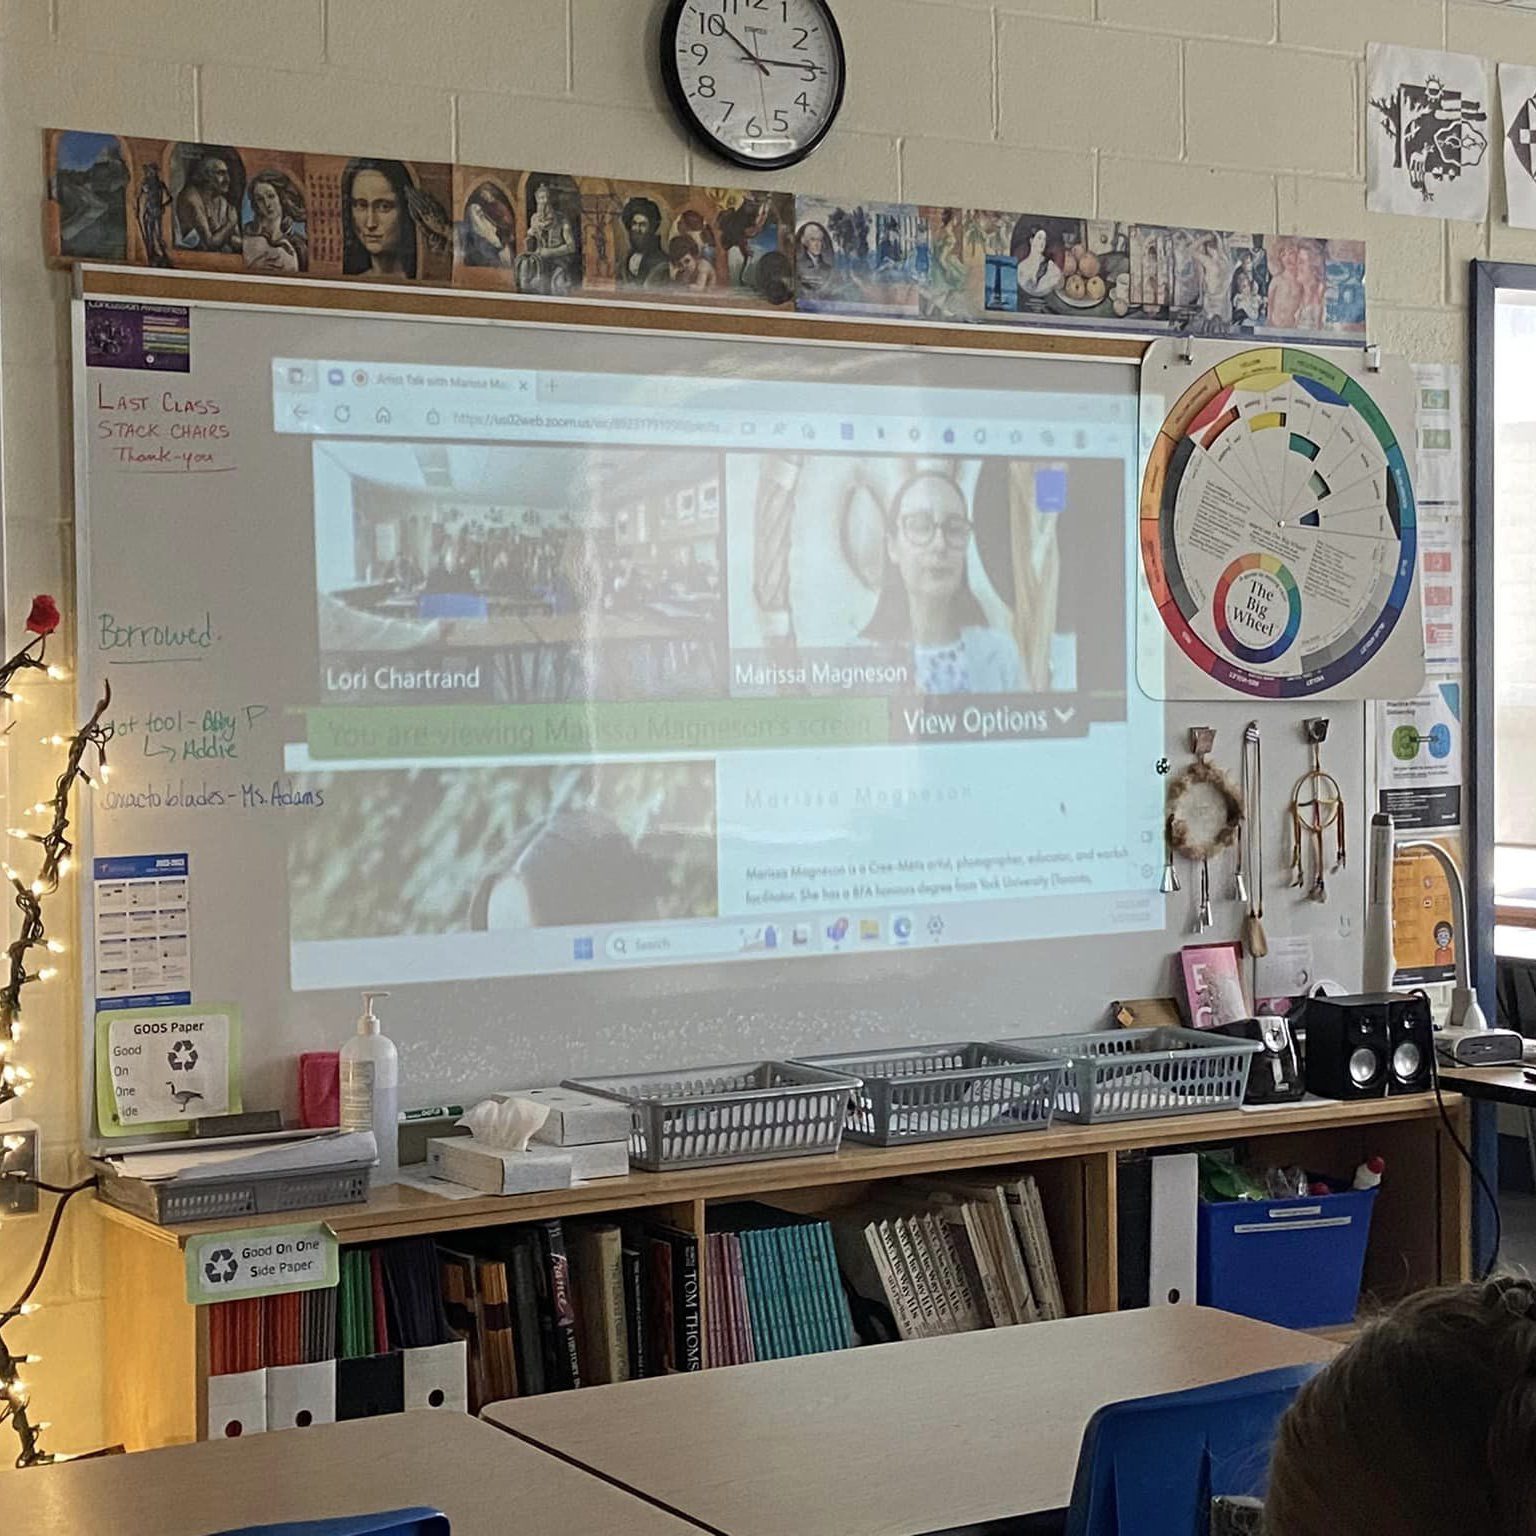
(1139, 1074)
(935, 1092)
(737, 1114)
(218, 1199)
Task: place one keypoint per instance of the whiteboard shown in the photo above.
(207, 551)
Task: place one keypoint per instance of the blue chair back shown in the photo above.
(1151, 1466)
(399, 1522)
(451, 605)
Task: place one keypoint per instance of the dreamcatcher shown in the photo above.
(1205, 816)
(1317, 807)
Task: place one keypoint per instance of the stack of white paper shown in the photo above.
(246, 1157)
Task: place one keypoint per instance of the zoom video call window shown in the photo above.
(622, 669)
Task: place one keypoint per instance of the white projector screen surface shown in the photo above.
(548, 676)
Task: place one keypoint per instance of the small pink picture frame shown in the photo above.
(1213, 984)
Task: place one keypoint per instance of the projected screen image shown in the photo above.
(618, 671)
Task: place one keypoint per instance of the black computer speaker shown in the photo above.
(1411, 1032)
(1349, 1045)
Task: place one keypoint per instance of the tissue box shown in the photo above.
(466, 1161)
(575, 1119)
(599, 1160)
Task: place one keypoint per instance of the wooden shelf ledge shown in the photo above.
(402, 1211)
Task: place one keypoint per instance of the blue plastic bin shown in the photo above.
(1296, 1263)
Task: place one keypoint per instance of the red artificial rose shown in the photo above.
(44, 618)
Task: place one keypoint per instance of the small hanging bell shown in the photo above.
(1171, 884)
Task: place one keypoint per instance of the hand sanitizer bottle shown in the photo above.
(370, 1089)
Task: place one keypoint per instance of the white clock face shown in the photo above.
(762, 79)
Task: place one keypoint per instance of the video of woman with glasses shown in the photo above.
(928, 576)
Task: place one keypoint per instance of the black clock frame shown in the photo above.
(691, 120)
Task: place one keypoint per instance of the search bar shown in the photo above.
(638, 945)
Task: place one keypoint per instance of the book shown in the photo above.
(938, 1315)
(841, 1322)
(461, 1300)
(523, 1277)
(1010, 1254)
(937, 1267)
(660, 1315)
(819, 1333)
(965, 1301)
(995, 1248)
(1133, 1223)
(500, 1326)
(786, 1257)
(714, 1302)
(922, 1292)
(597, 1269)
(745, 1348)
(1039, 1252)
(864, 1290)
(689, 1301)
(899, 1283)
(635, 1314)
(730, 1321)
(761, 1308)
(561, 1301)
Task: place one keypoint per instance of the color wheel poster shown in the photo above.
(1278, 531)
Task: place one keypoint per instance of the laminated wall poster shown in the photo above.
(1517, 92)
(1427, 129)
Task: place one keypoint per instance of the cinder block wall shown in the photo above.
(1239, 114)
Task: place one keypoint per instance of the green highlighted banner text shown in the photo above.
(542, 730)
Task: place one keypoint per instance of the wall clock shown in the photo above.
(759, 81)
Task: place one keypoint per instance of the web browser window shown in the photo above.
(621, 669)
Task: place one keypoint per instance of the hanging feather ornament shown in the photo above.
(1205, 815)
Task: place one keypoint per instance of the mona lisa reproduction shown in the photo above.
(382, 220)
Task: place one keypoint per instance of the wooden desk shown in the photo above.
(899, 1438)
(1495, 1085)
(486, 1483)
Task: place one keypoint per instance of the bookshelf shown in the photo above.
(158, 1344)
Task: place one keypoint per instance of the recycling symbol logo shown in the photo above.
(182, 1056)
(221, 1266)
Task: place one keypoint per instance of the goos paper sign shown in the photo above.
(260, 1261)
(159, 1069)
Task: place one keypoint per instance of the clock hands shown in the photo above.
(794, 64)
(746, 53)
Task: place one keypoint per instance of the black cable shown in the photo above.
(65, 1196)
(52, 1189)
(1488, 1192)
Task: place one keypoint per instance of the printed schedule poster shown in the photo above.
(143, 916)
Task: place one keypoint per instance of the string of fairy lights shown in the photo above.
(27, 964)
